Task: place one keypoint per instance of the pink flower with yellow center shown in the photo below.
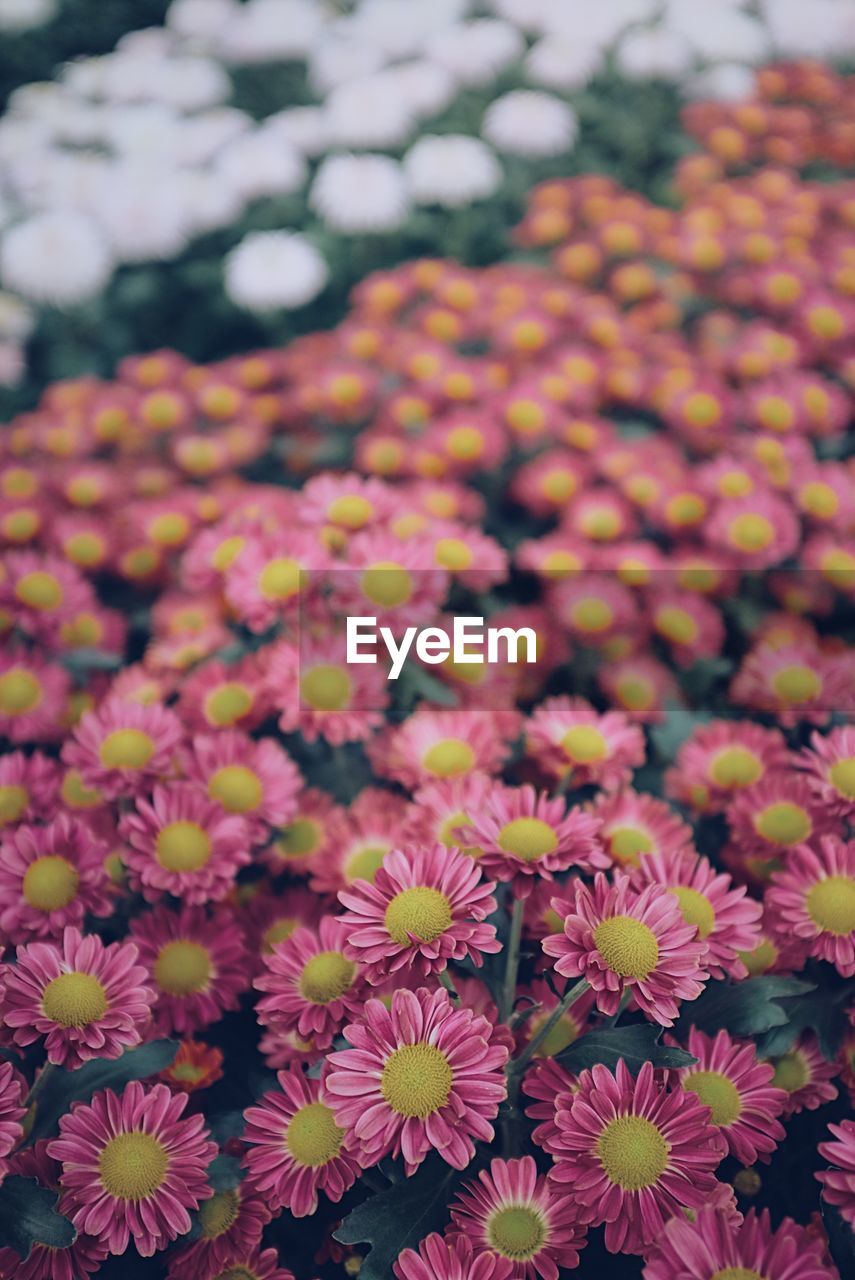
(569, 739)
(33, 694)
(690, 626)
(793, 682)
(86, 999)
(634, 825)
(720, 760)
(318, 694)
(594, 607)
(13, 1091)
(51, 877)
(313, 984)
(253, 779)
(221, 696)
(431, 745)
(442, 812)
(813, 897)
(441, 1259)
(838, 1182)
(551, 1086)
(133, 1166)
(425, 907)
(121, 748)
(348, 503)
(308, 834)
(830, 768)
(639, 686)
(805, 1076)
(230, 1225)
(360, 838)
(635, 1153)
(29, 787)
(618, 938)
(420, 1075)
(298, 1147)
(758, 531)
(398, 582)
(41, 591)
(771, 818)
(716, 1245)
(476, 561)
(554, 557)
(273, 575)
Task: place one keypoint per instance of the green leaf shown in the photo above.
(399, 1218)
(635, 1045)
(678, 725)
(61, 1087)
(822, 1011)
(28, 1217)
(746, 1008)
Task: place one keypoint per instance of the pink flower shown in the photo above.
(123, 746)
(427, 906)
(720, 759)
(419, 1075)
(838, 1183)
(32, 695)
(40, 591)
(569, 739)
(439, 1259)
(12, 1111)
(434, 744)
(805, 1076)
(814, 898)
(51, 877)
(619, 938)
(320, 695)
(794, 682)
(772, 817)
(132, 1167)
(88, 1000)
(254, 779)
(230, 1222)
(633, 825)
(29, 788)
(715, 1243)
(758, 531)
(830, 766)
(634, 1153)
(80, 1259)
(297, 1147)
(552, 1087)
(359, 839)
(270, 577)
(512, 1213)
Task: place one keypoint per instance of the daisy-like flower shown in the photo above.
(359, 840)
(319, 695)
(221, 696)
(182, 843)
(196, 1065)
(86, 999)
(527, 122)
(419, 1075)
(512, 1213)
(399, 582)
(365, 193)
(838, 1183)
(230, 1225)
(313, 985)
(635, 1154)
(41, 592)
(196, 963)
(270, 270)
(617, 937)
(772, 817)
(633, 825)
(805, 1075)
(51, 877)
(132, 1166)
(691, 626)
(271, 576)
(123, 746)
(442, 812)
(551, 1086)
(813, 897)
(726, 919)
(738, 1089)
(441, 1259)
(715, 1243)
(253, 778)
(523, 835)
(794, 682)
(431, 744)
(302, 839)
(29, 787)
(720, 760)
(830, 768)
(452, 170)
(568, 738)
(426, 906)
(33, 693)
(12, 1111)
(758, 531)
(297, 1148)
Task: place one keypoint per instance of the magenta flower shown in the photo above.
(123, 746)
(51, 877)
(813, 898)
(12, 1110)
(231, 1223)
(439, 1259)
(838, 1183)
(717, 1243)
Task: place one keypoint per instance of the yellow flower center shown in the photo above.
(626, 844)
(783, 823)
(326, 977)
(279, 931)
(676, 625)
(169, 529)
(819, 499)
(516, 1232)
(421, 911)
(633, 1152)
(13, 802)
(365, 862)
(182, 968)
(560, 564)
(279, 579)
(464, 443)
(696, 908)
(39, 590)
(841, 776)
(387, 584)
(417, 1080)
(352, 511)
(791, 1072)
(76, 796)
(628, 946)
(313, 1138)
(85, 549)
(528, 838)
(299, 838)
(50, 883)
(126, 749)
(591, 614)
(228, 704)
(735, 767)
(449, 758)
(565, 1031)
(236, 1272)
(831, 905)
(133, 1166)
(796, 684)
(583, 744)
(219, 1213)
(635, 693)
(74, 999)
(559, 486)
(737, 1273)
(227, 552)
(182, 846)
(453, 554)
(236, 788)
(761, 959)
(20, 692)
(717, 1092)
(446, 834)
(751, 532)
(326, 687)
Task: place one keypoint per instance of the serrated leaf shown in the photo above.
(747, 1008)
(822, 1011)
(635, 1045)
(28, 1217)
(61, 1087)
(399, 1218)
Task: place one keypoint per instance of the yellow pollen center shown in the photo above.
(20, 692)
(279, 579)
(326, 687)
(761, 959)
(236, 788)
(387, 584)
(85, 548)
(182, 968)
(627, 843)
(50, 883)
(717, 1092)
(628, 946)
(365, 862)
(299, 838)
(219, 1213)
(791, 1072)
(421, 911)
(591, 614)
(126, 749)
(227, 552)
(449, 758)
(528, 838)
(169, 529)
(326, 977)
(735, 767)
(236, 1272)
(819, 499)
(676, 624)
(182, 846)
(783, 824)
(417, 1080)
(133, 1166)
(516, 1231)
(737, 1273)
(750, 532)
(565, 1031)
(636, 693)
(633, 1152)
(453, 554)
(796, 684)
(351, 511)
(74, 999)
(39, 590)
(841, 776)
(76, 796)
(13, 802)
(228, 704)
(465, 443)
(313, 1138)
(696, 908)
(583, 744)
(831, 905)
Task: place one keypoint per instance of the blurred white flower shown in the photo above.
(202, 136)
(360, 193)
(260, 164)
(425, 87)
(270, 30)
(142, 129)
(340, 57)
(58, 258)
(655, 52)
(529, 15)
(273, 269)
(143, 211)
(210, 203)
(560, 62)
(24, 15)
(475, 52)
(191, 84)
(451, 169)
(301, 127)
(719, 32)
(726, 82)
(810, 30)
(86, 76)
(368, 113)
(400, 30)
(201, 21)
(530, 123)
(599, 24)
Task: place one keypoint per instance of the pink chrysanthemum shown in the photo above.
(305, 836)
(551, 1086)
(78, 1260)
(726, 919)
(717, 1244)
(619, 938)
(29, 788)
(221, 696)
(197, 964)
(436, 744)
(758, 531)
(774, 816)
(253, 778)
(635, 1154)
(318, 694)
(12, 1110)
(182, 843)
(271, 577)
(360, 837)
(258, 1264)
(51, 877)
(634, 824)
(132, 1166)
(830, 767)
(85, 999)
(511, 1212)
(569, 739)
(120, 748)
(794, 682)
(805, 1075)
(297, 1147)
(419, 1075)
(398, 582)
(440, 1259)
(523, 835)
(313, 985)
(427, 906)
(738, 1089)
(40, 591)
(814, 898)
(720, 759)
(838, 1183)
(230, 1224)
(33, 694)
(442, 811)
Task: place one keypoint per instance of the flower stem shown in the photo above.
(509, 988)
(518, 1065)
(447, 981)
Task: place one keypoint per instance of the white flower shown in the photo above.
(202, 136)
(657, 52)
(143, 211)
(424, 86)
(25, 15)
(200, 21)
(727, 82)
(210, 204)
(272, 30)
(260, 164)
(58, 257)
(301, 127)
(401, 30)
(273, 269)
(718, 32)
(451, 170)
(192, 84)
(338, 58)
(529, 15)
(526, 122)
(143, 129)
(475, 52)
(560, 62)
(810, 30)
(86, 77)
(368, 113)
(360, 193)
(602, 23)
